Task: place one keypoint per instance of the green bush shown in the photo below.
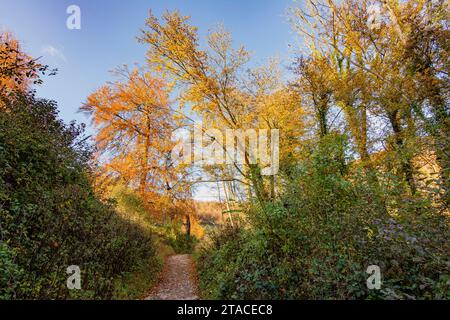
(316, 241)
(11, 272)
(180, 242)
(50, 217)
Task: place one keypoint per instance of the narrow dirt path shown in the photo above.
(178, 281)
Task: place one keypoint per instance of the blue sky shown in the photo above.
(107, 38)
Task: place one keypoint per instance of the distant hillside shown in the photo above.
(209, 212)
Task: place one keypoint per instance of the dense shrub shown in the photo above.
(317, 240)
(49, 216)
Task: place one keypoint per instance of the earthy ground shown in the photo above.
(178, 280)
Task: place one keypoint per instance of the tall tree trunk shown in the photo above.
(144, 173)
(440, 132)
(405, 159)
(188, 225)
(144, 165)
(322, 113)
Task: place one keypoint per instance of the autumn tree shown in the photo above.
(366, 45)
(18, 70)
(212, 81)
(134, 125)
(315, 85)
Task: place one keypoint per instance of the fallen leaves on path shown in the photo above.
(177, 281)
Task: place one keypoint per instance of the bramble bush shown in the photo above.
(329, 224)
(50, 217)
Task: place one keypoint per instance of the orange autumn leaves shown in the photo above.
(134, 115)
(217, 83)
(134, 123)
(17, 69)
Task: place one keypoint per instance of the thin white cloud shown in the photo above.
(53, 52)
